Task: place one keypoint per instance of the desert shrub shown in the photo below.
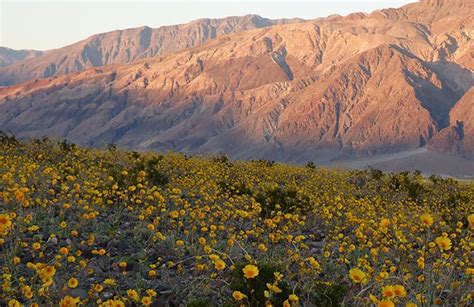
(198, 303)
(328, 294)
(222, 159)
(235, 188)
(284, 199)
(310, 165)
(267, 163)
(67, 146)
(255, 288)
(8, 139)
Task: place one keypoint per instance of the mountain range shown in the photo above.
(387, 82)
(122, 46)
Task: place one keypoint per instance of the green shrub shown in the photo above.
(326, 294)
(286, 197)
(198, 303)
(255, 288)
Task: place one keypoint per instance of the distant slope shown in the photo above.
(10, 56)
(426, 161)
(125, 46)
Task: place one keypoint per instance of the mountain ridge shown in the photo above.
(10, 56)
(125, 46)
(354, 86)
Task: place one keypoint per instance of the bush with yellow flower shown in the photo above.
(109, 227)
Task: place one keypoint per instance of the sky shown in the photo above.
(43, 25)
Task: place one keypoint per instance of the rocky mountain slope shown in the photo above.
(125, 46)
(458, 137)
(9, 56)
(364, 84)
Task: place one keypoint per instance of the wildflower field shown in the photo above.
(85, 227)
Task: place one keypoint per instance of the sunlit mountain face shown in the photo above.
(392, 81)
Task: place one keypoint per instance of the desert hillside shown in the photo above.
(82, 226)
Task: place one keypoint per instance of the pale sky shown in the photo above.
(42, 25)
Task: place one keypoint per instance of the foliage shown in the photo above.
(327, 294)
(255, 288)
(112, 227)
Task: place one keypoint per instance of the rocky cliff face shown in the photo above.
(458, 137)
(363, 84)
(125, 46)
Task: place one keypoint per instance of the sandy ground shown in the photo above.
(422, 159)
